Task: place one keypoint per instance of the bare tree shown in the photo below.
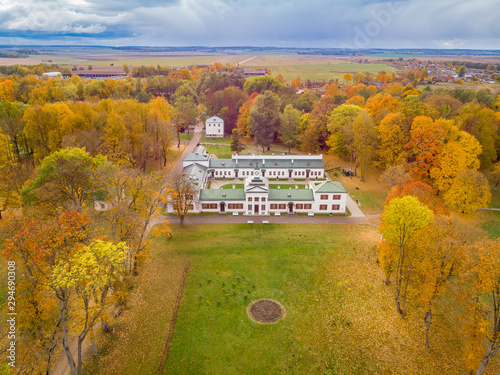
(182, 194)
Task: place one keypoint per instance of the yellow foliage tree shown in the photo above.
(469, 190)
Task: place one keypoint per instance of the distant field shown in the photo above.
(163, 60)
(319, 72)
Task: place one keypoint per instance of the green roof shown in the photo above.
(291, 195)
(328, 187)
(218, 195)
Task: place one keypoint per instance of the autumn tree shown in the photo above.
(38, 246)
(364, 139)
(392, 139)
(264, 119)
(12, 125)
(459, 154)
(65, 175)
(394, 175)
(43, 127)
(89, 274)
(288, 129)
(469, 190)
(427, 139)
(135, 200)
(422, 191)
(309, 139)
(181, 194)
(296, 83)
(340, 124)
(244, 114)
(320, 117)
(13, 176)
(233, 97)
(159, 126)
(495, 175)
(401, 220)
(480, 274)
(437, 251)
(482, 123)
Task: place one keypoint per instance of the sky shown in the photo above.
(275, 23)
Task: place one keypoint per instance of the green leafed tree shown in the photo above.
(236, 144)
(12, 125)
(264, 119)
(289, 124)
(67, 175)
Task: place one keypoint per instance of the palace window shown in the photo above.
(336, 197)
(335, 207)
(299, 206)
(323, 207)
(274, 206)
(323, 197)
(307, 206)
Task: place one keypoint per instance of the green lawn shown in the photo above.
(186, 137)
(495, 197)
(372, 202)
(222, 152)
(230, 186)
(340, 318)
(491, 224)
(234, 265)
(271, 186)
(226, 140)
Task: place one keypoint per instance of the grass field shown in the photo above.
(319, 72)
(222, 152)
(340, 318)
(185, 137)
(226, 140)
(271, 186)
(495, 197)
(491, 223)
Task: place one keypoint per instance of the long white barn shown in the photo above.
(256, 197)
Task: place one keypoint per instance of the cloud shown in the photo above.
(316, 23)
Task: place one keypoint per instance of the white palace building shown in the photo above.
(317, 196)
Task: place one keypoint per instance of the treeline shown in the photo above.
(38, 69)
(476, 65)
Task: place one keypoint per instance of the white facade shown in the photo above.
(214, 127)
